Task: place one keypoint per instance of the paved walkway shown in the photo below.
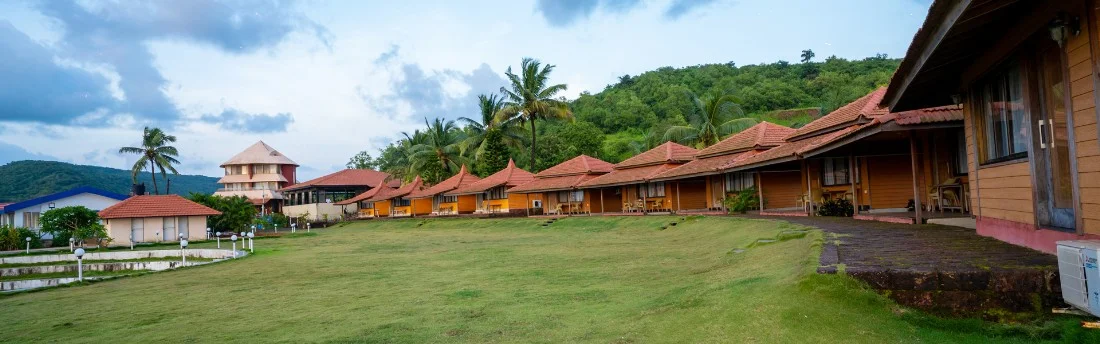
(938, 268)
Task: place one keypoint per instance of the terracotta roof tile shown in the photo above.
(259, 153)
(929, 115)
(348, 177)
(463, 178)
(156, 206)
(628, 176)
(510, 176)
(580, 165)
(704, 166)
(403, 191)
(669, 152)
(865, 107)
(762, 135)
(794, 148)
(558, 183)
(381, 189)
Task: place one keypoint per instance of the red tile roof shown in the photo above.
(761, 136)
(669, 152)
(865, 107)
(580, 165)
(793, 149)
(705, 166)
(2, 205)
(929, 115)
(510, 176)
(558, 183)
(403, 191)
(626, 176)
(348, 177)
(381, 189)
(461, 179)
(156, 206)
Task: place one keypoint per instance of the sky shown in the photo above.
(323, 80)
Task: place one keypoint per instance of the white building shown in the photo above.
(27, 213)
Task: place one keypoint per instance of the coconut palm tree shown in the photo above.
(442, 146)
(711, 119)
(154, 153)
(476, 131)
(531, 98)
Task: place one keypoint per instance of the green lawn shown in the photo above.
(616, 279)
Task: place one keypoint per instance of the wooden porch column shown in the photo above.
(809, 189)
(678, 197)
(527, 198)
(645, 197)
(601, 201)
(852, 182)
(760, 189)
(913, 161)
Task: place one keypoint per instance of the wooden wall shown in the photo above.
(693, 194)
(422, 206)
(889, 181)
(467, 204)
(382, 208)
(1082, 71)
(780, 189)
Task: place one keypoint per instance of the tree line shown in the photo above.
(530, 121)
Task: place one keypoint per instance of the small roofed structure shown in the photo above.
(27, 213)
(155, 218)
(491, 192)
(396, 202)
(318, 196)
(361, 201)
(628, 188)
(433, 200)
(558, 186)
(703, 182)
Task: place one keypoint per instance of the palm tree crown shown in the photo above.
(441, 145)
(477, 131)
(711, 119)
(154, 153)
(531, 98)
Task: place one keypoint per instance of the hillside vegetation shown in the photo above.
(21, 180)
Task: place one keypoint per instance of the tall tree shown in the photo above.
(478, 131)
(154, 153)
(361, 161)
(441, 147)
(807, 55)
(711, 119)
(494, 156)
(531, 98)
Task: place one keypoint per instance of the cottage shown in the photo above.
(1025, 75)
(628, 187)
(156, 218)
(27, 213)
(318, 197)
(491, 193)
(559, 185)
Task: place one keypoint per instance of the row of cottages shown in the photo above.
(556, 190)
(1025, 74)
(323, 197)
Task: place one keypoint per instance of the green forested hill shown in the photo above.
(638, 108)
(21, 180)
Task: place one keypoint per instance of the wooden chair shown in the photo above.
(640, 205)
(659, 204)
(557, 209)
(627, 207)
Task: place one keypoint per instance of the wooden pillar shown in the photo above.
(760, 189)
(601, 201)
(678, 197)
(645, 197)
(916, 189)
(527, 206)
(809, 189)
(852, 182)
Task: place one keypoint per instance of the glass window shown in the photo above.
(497, 193)
(834, 171)
(401, 202)
(1002, 118)
(30, 220)
(368, 205)
(445, 199)
(738, 181)
(961, 164)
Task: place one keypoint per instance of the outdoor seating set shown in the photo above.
(945, 196)
(570, 208)
(643, 206)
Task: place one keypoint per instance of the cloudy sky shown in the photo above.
(322, 80)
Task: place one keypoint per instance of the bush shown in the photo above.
(741, 201)
(12, 238)
(836, 207)
(72, 222)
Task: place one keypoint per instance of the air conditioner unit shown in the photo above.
(1079, 272)
(536, 203)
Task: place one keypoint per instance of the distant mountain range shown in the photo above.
(22, 180)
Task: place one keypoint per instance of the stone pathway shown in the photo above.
(938, 268)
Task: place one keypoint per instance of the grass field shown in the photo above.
(613, 279)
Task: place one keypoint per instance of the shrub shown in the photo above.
(741, 201)
(72, 222)
(836, 207)
(12, 238)
(237, 211)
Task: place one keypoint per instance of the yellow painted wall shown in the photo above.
(403, 211)
(503, 203)
(467, 204)
(422, 206)
(382, 208)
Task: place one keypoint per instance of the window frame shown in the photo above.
(843, 165)
(1020, 61)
